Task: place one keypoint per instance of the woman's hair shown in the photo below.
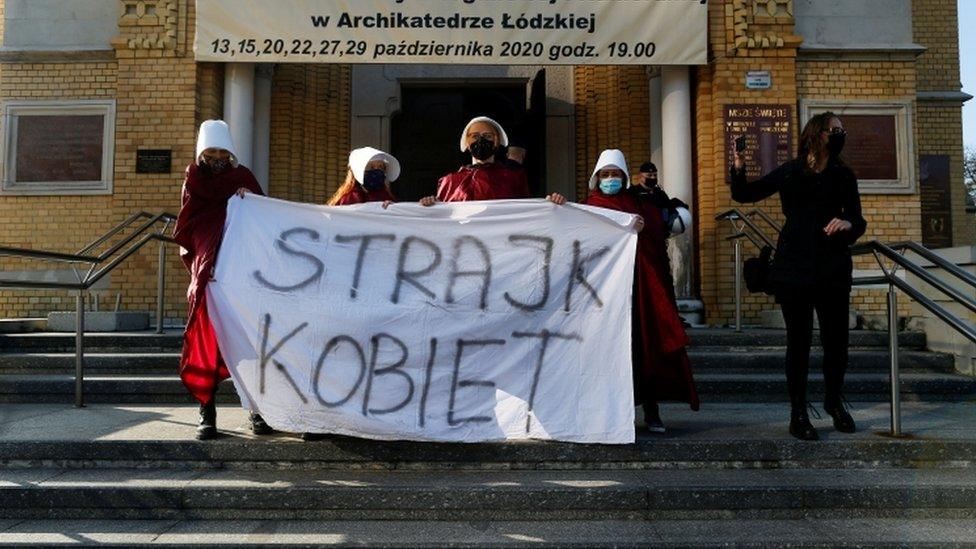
(347, 187)
(811, 142)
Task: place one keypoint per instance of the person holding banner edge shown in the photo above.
(485, 178)
(812, 267)
(661, 368)
(368, 178)
(210, 181)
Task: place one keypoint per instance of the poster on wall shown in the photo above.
(768, 130)
(515, 32)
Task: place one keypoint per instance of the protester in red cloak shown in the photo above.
(210, 182)
(485, 178)
(662, 371)
(368, 178)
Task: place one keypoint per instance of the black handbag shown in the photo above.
(756, 271)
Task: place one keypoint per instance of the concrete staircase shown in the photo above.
(129, 473)
(729, 367)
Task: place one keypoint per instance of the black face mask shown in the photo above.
(835, 143)
(215, 166)
(483, 149)
(374, 180)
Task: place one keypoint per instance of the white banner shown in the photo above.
(511, 32)
(467, 322)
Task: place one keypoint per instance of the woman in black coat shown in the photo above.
(812, 266)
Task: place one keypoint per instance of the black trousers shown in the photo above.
(832, 307)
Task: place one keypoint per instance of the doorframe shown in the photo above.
(376, 99)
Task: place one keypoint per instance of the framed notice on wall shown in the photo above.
(768, 132)
(936, 191)
(880, 143)
(58, 147)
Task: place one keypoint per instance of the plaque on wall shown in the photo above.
(768, 130)
(59, 148)
(880, 142)
(936, 198)
(154, 161)
(872, 145)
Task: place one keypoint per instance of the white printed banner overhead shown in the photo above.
(476, 321)
(499, 32)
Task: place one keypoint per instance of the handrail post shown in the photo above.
(160, 287)
(893, 354)
(80, 349)
(738, 285)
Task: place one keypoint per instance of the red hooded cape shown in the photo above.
(359, 195)
(491, 181)
(199, 230)
(662, 371)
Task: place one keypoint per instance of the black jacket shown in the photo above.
(806, 258)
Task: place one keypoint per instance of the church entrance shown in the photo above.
(426, 131)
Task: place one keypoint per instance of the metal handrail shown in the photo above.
(95, 274)
(894, 252)
(735, 214)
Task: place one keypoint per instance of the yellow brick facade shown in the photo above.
(935, 25)
(162, 95)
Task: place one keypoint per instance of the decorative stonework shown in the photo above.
(779, 10)
(148, 24)
(748, 16)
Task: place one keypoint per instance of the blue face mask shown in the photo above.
(611, 185)
(374, 180)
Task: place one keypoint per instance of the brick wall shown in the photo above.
(154, 82)
(58, 223)
(611, 113)
(935, 26)
(721, 83)
(310, 114)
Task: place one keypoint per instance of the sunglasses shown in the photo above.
(835, 131)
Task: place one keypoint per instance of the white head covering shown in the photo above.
(680, 220)
(610, 158)
(215, 134)
(359, 158)
(498, 128)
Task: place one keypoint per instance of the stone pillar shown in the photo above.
(239, 109)
(262, 124)
(676, 174)
(654, 123)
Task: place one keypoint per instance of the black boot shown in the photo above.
(652, 417)
(800, 425)
(207, 429)
(259, 426)
(836, 408)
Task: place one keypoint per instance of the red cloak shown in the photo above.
(359, 195)
(491, 181)
(199, 230)
(662, 371)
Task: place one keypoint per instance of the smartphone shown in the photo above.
(740, 143)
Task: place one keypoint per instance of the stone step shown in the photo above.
(764, 359)
(703, 359)
(121, 342)
(475, 495)
(713, 387)
(868, 387)
(95, 363)
(756, 337)
(172, 340)
(22, 325)
(744, 532)
(282, 451)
